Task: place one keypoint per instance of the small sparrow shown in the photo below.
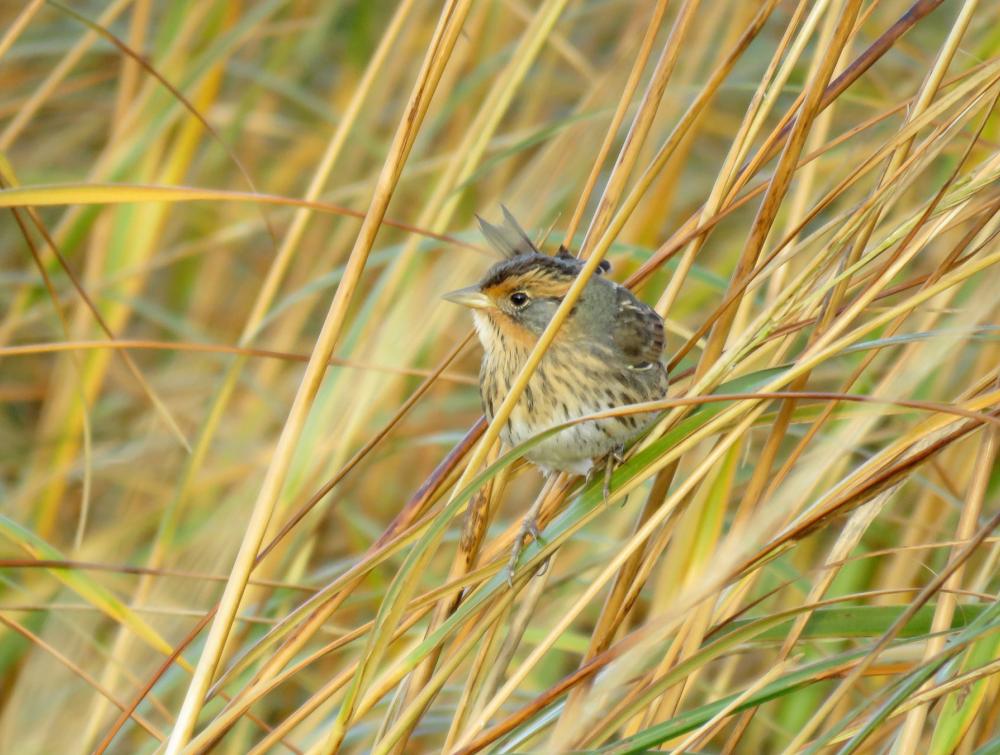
(605, 355)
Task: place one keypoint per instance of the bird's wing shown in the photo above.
(637, 331)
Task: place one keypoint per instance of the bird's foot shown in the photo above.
(529, 526)
(615, 456)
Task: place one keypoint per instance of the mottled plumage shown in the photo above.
(606, 354)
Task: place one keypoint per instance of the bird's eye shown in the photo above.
(519, 298)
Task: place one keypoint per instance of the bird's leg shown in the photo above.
(615, 456)
(529, 526)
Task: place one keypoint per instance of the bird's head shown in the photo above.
(518, 296)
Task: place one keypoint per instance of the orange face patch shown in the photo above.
(535, 283)
(511, 328)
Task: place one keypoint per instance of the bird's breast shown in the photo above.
(569, 382)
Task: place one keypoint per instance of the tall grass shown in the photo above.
(248, 503)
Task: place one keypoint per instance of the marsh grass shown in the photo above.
(247, 504)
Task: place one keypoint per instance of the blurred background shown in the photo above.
(805, 190)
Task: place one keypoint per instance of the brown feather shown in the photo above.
(606, 354)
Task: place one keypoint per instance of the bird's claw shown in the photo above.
(615, 456)
(528, 527)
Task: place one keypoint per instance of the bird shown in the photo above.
(606, 354)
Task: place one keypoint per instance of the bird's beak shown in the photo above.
(470, 296)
